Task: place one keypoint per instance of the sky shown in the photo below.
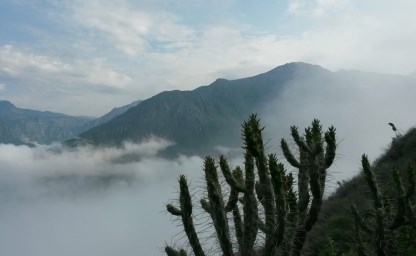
(86, 57)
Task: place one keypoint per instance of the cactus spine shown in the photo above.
(286, 220)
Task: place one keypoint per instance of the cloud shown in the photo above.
(51, 84)
(359, 105)
(22, 64)
(87, 201)
(132, 30)
(316, 8)
(2, 87)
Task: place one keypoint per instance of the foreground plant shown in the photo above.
(388, 222)
(264, 183)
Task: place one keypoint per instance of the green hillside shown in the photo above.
(260, 209)
(336, 226)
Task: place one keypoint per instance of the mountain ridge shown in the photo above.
(27, 126)
(200, 119)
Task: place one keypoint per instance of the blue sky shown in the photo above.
(86, 57)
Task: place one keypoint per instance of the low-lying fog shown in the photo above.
(84, 202)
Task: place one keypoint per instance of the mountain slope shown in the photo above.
(201, 119)
(22, 126)
(107, 117)
(336, 224)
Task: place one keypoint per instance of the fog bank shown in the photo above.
(89, 201)
(360, 106)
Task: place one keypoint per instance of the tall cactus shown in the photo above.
(273, 191)
(387, 222)
(315, 158)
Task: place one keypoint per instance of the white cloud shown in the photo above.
(57, 201)
(2, 87)
(48, 83)
(23, 65)
(131, 30)
(316, 8)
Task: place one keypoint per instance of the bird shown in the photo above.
(398, 133)
(393, 127)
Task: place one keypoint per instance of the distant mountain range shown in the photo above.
(196, 121)
(24, 126)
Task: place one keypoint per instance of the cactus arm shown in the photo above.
(298, 140)
(186, 208)
(238, 225)
(232, 200)
(370, 178)
(259, 193)
(216, 202)
(277, 172)
(303, 185)
(173, 210)
(288, 154)
(317, 194)
(378, 205)
(331, 147)
(250, 225)
(229, 177)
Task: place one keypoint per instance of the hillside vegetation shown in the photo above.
(336, 227)
(261, 210)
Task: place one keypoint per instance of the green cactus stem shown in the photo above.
(185, 212)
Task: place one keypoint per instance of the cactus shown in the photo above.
(286, 219)
(314, 160)
(387, 220)
(185, 212)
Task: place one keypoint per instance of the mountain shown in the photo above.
(110, 115)
(203, 118)
(24, 126)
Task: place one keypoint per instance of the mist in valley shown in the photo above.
(86, 201)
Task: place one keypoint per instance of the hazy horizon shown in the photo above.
(58, 56)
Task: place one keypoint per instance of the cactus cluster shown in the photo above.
(262, 197)
(385, 221)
